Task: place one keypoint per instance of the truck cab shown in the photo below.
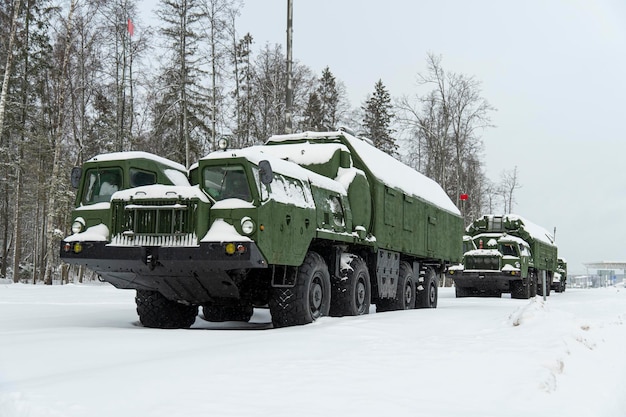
(103, 175)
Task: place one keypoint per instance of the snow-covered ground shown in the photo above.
(78, 351)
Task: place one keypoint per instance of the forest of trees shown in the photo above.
(78, 80)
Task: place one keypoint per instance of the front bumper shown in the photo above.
(485, 280)
(190, 274)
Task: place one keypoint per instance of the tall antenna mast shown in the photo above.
(289, 97)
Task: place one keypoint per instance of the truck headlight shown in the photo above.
(78, 225)
(247, 225)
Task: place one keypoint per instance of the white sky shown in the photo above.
(553, 69)
(79, 351)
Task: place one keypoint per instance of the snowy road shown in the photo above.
(78, 351)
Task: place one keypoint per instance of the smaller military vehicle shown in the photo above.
(511, 256)
(559, 282)
(103, 175)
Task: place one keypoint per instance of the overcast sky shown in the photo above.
(553, 69)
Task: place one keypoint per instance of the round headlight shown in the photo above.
(78, 225)
(247, 225)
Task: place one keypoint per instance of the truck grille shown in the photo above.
(491, 263)
(153, 223)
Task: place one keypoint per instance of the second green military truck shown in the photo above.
(559, 282)
(512, 255)
(311, 224)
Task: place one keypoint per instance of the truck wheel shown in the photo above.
(219, 313)
(520, 290)
(156, 311)
(308, 300)
(427, 297)
(405, 294)
(461, 292)
(533, 285)
(351, 293)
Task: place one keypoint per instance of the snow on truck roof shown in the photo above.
(537, 232)
(116, 156)
(383, 166)
(256, 154)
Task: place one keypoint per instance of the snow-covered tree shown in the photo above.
(378, 114)
(443, 126)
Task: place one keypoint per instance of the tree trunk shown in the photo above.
(5, 236)
(7, 71)
(17, 244)
(57, 143)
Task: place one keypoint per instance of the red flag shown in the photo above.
(464, 197)
(131, 27)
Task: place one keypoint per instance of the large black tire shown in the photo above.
(156, 311)
(532, 282)
(352, 292)
(220, 313)
(427, 297)
(462, 292)
(308, 300)
(520, 289)
(405, 294)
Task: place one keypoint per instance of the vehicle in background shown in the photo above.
(511, 256)
(559, 282)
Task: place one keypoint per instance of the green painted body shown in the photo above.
(128, 169)
(251, 217)
(543, 251)
(510, 256)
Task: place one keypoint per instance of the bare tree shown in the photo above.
(56, 163)
(443, 126)
(508, 184)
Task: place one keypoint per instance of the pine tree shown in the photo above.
(313, 116)
(329, 99)
(377, 120)
(182, 114)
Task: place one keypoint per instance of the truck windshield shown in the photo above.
(100, 184)
(509, 249)
(222, 182)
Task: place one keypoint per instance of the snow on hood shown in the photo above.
(97, 233)
(159, 191)
(221, 231)
(232, 203)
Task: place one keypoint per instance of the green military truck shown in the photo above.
(559, 282)
(309, 224)
(103, 175)
(511, 256)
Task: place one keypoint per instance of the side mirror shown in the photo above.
(265, 172)
(77, 172)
